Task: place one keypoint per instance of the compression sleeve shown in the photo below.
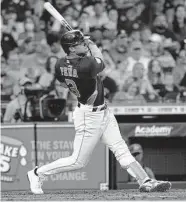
(97, 66)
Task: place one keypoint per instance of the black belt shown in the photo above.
(95, 109)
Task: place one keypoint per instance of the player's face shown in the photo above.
(81, 48)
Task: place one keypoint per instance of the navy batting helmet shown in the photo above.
(72, 38)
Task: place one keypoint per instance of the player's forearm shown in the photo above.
(95, 51)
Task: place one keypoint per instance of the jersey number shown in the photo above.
(72, 86)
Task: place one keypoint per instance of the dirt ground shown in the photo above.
(85, 195)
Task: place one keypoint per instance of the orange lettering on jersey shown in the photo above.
(61, 68)
(65, 71)
(70, 71)
(75, 73)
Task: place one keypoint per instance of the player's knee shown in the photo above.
(123, 154)
(77, 164)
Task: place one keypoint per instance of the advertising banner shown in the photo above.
(56, 141)
(53, 141)
(16, 158)
(161, 161)
(153, 129)
(149, 110)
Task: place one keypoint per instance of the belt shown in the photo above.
(95, 109)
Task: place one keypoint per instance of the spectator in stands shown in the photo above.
(183, 44)
(166, 58)
(182, 64)
(7, 41)
(71, 15)
(131, 17)
(77, 8)
(61, 5)
(31, 31)
(170, 91)
(21, 7)
(118, 50)
(45, 80)
(37, 7)
(179, 22)
(33, 65)
(180, 69)
(100, 17)
(156, 9)
(27, 47)
(113, 19)
(15, 27)
(96, 35)
(116, 58)
(131, 94)
(160, 49)
(109, 35)
(145, 37)
(18, 109)
(178, 2)
(14, 63)
(135, 35)
(53, 40)
(155, 48)
(145, 87)
(84, 25)
(7, 81)
(137, 151)
(155, 75)
(169, 12)
(160, 26)
(136, 56)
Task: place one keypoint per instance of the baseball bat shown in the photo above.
(48, 6)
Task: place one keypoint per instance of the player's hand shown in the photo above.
(64, 85)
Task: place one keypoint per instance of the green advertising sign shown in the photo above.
(54, 141)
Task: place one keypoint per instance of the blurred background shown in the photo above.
(144, 47)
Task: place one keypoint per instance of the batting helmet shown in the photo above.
(72, 38)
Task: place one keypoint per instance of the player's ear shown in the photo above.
(71, 49)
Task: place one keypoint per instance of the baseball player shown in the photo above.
(93, 121)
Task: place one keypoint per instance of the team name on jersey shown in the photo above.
(69, 71)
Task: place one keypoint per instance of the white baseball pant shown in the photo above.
(90, 128)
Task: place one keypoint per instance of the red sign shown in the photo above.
(15, 156)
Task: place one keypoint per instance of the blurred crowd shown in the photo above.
(143, 43)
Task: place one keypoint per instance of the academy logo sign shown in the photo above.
(13, 155)
(153, 130)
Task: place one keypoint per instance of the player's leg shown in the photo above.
(88, 133)
(112, 138)
(87, 126)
